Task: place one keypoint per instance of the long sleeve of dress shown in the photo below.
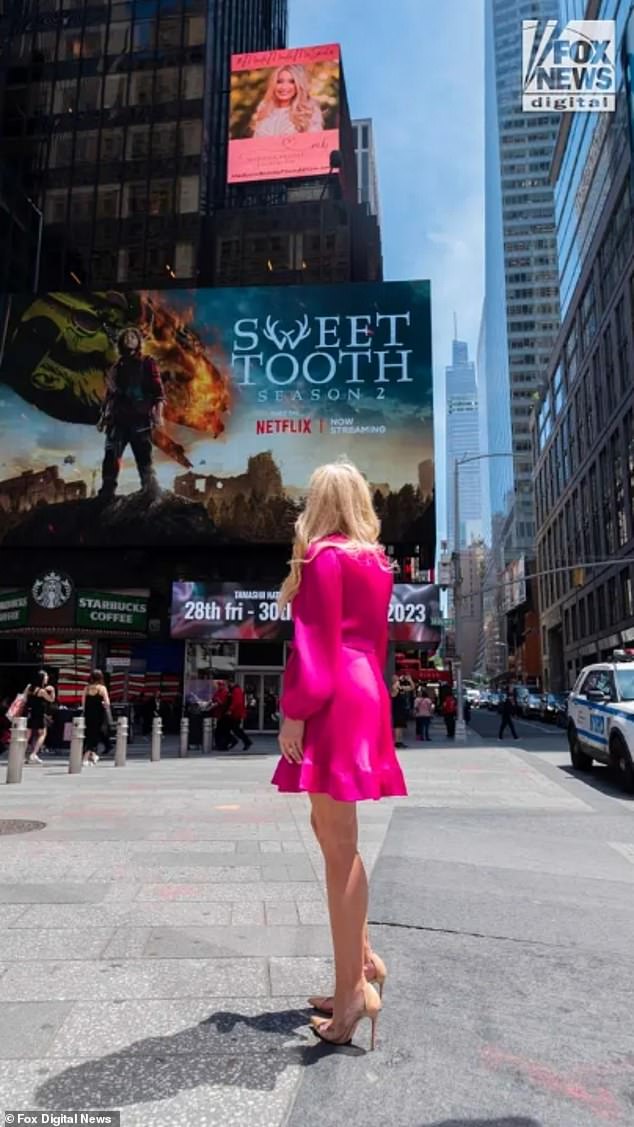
(311, 677)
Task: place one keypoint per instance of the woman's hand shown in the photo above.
(291, 740)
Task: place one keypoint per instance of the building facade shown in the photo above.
(367, 177)
(520, 219)
(115, 122)
(584, 422)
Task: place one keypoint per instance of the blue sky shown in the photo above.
(417, 68)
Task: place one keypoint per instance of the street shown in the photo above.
(161, 932)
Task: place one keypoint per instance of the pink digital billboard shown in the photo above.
(284, 113)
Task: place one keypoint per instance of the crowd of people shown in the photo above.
(227, 708)
(412, 701)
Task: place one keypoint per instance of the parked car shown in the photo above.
(493, 701)
(554, 709)
(562, 709)
(521, 694)
(532, 706)
(473, 696)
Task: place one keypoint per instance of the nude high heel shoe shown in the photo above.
(375, 972)
(371, 1009)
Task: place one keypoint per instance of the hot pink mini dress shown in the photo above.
(334, 680)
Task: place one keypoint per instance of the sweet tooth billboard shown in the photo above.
(284, 113)
(209, 432)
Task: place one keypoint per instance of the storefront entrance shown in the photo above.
(261, 696)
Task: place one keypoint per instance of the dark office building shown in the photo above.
(584, 421)
(114, 121)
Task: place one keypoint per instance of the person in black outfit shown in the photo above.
(132, 407)
(40, 697)
(506, 717)
(96, 706)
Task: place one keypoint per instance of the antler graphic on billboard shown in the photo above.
(196, 417)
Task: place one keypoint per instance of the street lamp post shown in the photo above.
(461, 730)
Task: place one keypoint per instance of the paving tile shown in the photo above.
(315, 912)
(284, 913)
(206, 912)
(225, 942)
(200, 872)
(288, 869)
(161, 1028)
(28, 1028)
(152, 1092)
(297, 976)
(243, 893)
(252, 914)
(9, 914)
(148, 978)
(54, 893)
(126, 943)
(45, 943)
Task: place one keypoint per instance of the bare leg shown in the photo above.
(347, 887)
(38, 742)
(367, 949)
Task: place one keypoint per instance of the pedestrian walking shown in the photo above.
(450, 711)
(399, 712)
(237, 714)
(39, 698)
(505, 709)
(98, 717)
(221, 703)
(423, 711)
(336, 738)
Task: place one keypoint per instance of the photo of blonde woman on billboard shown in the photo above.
(284, 113)
(287, 107)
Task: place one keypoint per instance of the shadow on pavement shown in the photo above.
(601, 778)
(221, 1050)
(513, 1121)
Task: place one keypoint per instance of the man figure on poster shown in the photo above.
(133, 406)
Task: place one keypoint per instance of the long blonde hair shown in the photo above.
(303, 105)
(339, 503)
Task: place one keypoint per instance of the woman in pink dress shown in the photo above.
(336, 738)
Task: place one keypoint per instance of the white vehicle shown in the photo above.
(601, 717)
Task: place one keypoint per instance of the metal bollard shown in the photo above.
(17, 749)
(183, 747)
(157, 738)
(121, 748)
(76, 756)
(207, 735)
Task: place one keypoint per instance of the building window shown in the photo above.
(558, 390)
(191, 138)
(89, 98)
(108, 201)
(115, 92)
(572, 354)
(613, 610)
(188, 194)
(619, 489)
(184, 260)
(164, 140)
(194, 82)
(601, 619)
(161, 197)
(582, 618)
(588, 317)
(629, 446)
(621, 346)
(138, 145)
(627, 605)
(608, 357)
(591, 618)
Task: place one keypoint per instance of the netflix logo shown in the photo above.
(284, 426)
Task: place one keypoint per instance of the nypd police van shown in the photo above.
(601, 717)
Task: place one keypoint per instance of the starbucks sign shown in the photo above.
(14, 609)
(108, 610)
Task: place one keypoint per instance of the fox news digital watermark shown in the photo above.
(572, 70)
(62, 1118)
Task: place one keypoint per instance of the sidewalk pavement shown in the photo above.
(160, 933)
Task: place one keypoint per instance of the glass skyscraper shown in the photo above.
(463, 440)
(521, 312)
(114, 122)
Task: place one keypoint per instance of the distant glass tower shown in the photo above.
(463, 440)
(521, 312)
